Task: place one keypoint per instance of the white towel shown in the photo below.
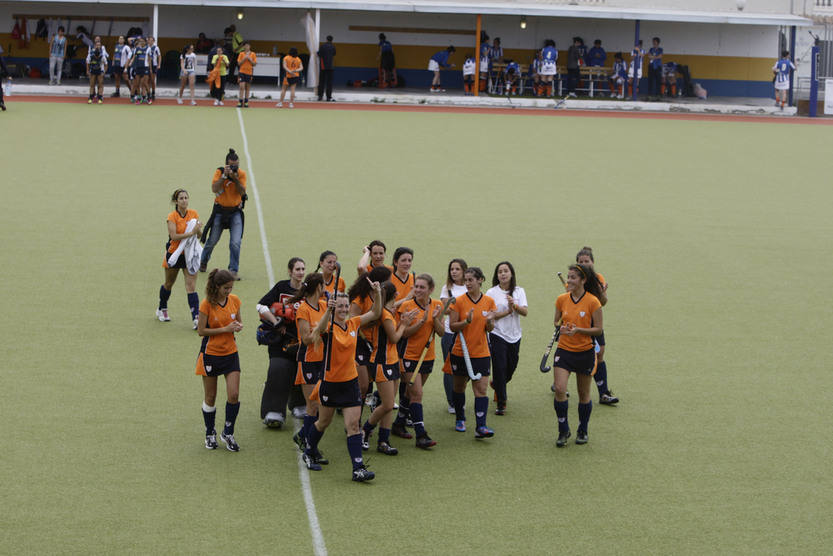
(192, 249)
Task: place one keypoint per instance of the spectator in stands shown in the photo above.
(495, 53)
(619, 77)
(437, 61)
(326, 53)
(387, 62)
(236, 47)
(57, 52)
(96, 67)
(203, 45)
(3, 71)
(597, 55)
(469, 69)
(246, 61)
(217, 76)
(655, 69)
(575, 59)
(292, 66)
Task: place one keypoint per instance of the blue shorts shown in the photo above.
(309, 372)
(482, 365)
(140, 71)
(362, 352)
(581, 362)
(217, 365)
(340, 394)
(425, 368)
(385, 372)
(116, 69)
(245, 77)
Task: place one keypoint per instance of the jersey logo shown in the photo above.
(234, 315)
(208, 368)
(353, 334)
(309, 375)
(557, 357)
(361, 357)
(389, 372)
(581, 314)
(484, 313)
(325, 398)
(407, 364)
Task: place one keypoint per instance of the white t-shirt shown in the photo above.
(190, 62)
(509, 327)
(456, 291)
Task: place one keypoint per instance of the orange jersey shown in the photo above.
(229, 197)
(580, 314)
(343, 351)
(601, 279)
(311, 314)
(365, 304)
(370, 267)
(181, 224)
(425, 333)
(246, 67)
(293, 66)
(384, 352)
(218, 317)
(475, 333)
(341, 285)
(403, 288)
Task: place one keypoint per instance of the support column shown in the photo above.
(156, 22)
(792, 59)
(477, 55)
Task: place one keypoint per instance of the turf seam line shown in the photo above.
(315, 528)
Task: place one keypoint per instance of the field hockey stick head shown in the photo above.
(561, 277)
(543, 367)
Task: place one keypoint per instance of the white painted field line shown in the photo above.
(315, 528)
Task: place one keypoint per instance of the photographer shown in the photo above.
(229, 187)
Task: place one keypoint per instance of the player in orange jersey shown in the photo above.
(327, 263)
(219, 320)
(606, 397)
(419, 337)
(580, 313)
(385, 368)
(472, 316)
(178, 221)
(340, 386)
(292, 66)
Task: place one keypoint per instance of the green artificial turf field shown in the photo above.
(714, 237)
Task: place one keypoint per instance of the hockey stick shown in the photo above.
(332, 320)
(543, 367)
(561, 102)
(467, 359)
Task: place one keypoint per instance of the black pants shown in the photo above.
(325, 83)
(219, 92)
(573, 76)
(504, 363)
(655, 80)
(279, 388)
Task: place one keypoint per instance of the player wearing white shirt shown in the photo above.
(96, 62)
(187, 72)
(469, 69)
(782, 70)
(549, 68)
(505, 339)
(454, 287)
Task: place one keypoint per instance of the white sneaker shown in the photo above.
(291, 105)
(196, 323)
(451, 409)
(216, 102)
(220, 103)
(279, 105)
(162, 315)
(178, 100)
(274, 420)
(299, 412)
(193, 103)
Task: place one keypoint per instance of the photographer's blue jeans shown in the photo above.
(235, 221)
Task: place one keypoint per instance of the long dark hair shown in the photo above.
(308, 286)
(361, 288)
(388, 292)
(512, 283)
(448, 281)
(291, 264)
(585, 251)
(323, 256)
(399, 252)
(216, 278)
(591, 281)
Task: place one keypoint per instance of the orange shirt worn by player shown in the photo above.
(403, 288)
(315, 352)
(475, 333)
(219, 316)
(246, 67)
(293, 66)
(229, 197)
(579, 314)
(329, 287)
(343, 351)
(384, 352)
(181, 223)
(416, 341)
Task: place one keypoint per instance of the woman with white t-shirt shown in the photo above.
(505, 339)
(454, 287)
(187, 73)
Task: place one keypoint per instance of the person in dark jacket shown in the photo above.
(326, 53)
(575, 59)
(3, 71)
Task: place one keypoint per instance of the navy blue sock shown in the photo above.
(309, 421)
(163, 297)
(416, 417)
(459, 399)
(481, 407)
(584, 410)
(231, 416)
(208, 415)
(313, 438)
(403, 390)
(561, 413)
(193, 303)
(368, 428)
(384, 435)
(354, 448)
(601, 378)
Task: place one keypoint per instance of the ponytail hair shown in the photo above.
(585, 251)
(591, 281)
(361, 288)
(323, 256)
(232, 155)
(175, 196)
(308, 287)
(216, 279)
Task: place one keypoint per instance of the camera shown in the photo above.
(233, 167)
